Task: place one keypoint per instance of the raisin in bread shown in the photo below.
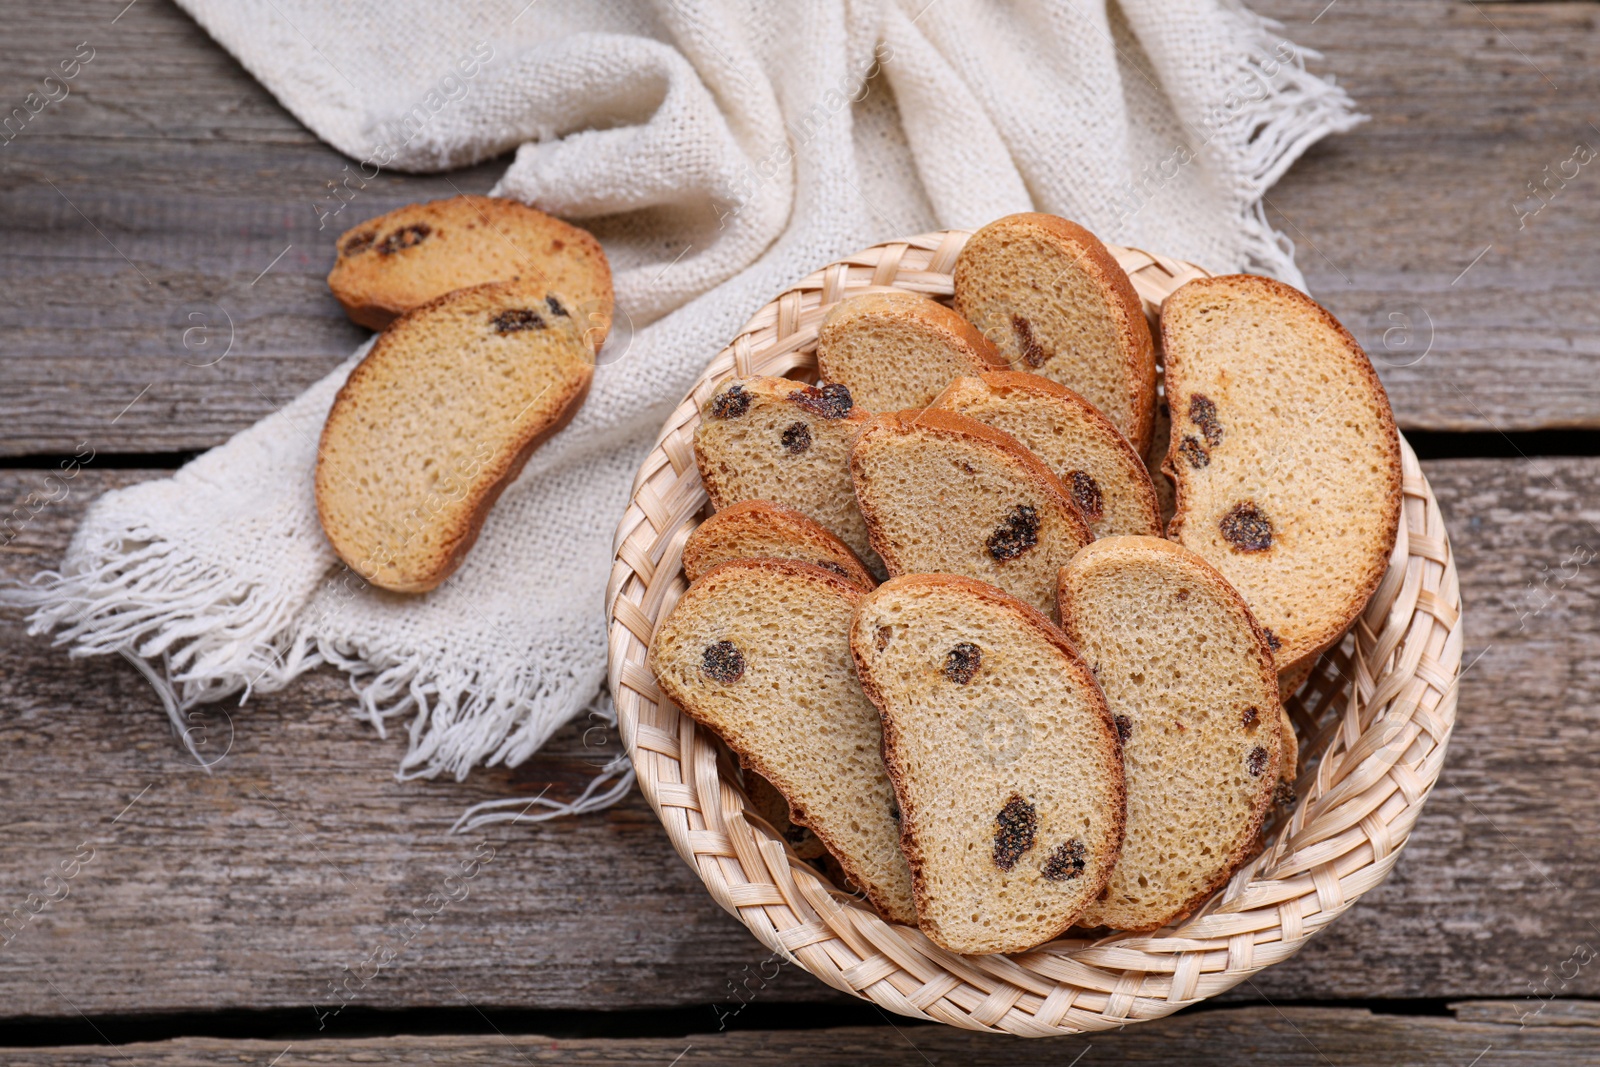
(787, 442)
(440, 417)
(1189, 680)
(897, 349)
(756, 529)
(1003, 757)
(1102, 473)
(1055, 302)
(946, 494)
(1285, 455)
(388, 265)
(759, 652)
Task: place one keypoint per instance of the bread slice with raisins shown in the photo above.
(757, 529)
(945, 494)
(437, 420)
(388, 265)
(1055, 302)
(1285, 455)
(784, 441)
(1003, 756)
(1190, 684)
(759, 651)
(898, 349)
(1102, 473)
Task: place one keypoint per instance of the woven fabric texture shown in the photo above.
(720, 151)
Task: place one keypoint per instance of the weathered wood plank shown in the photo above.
(1292, 1037)
(181, 163)
(300, 855)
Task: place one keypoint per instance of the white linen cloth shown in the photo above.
(720, 151)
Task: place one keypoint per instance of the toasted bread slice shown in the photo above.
(1056, 302)
(944, 494)
(897, 349)
(789, 443)
(756, 529)
(771, 806)
(1003, 757)
(437, 420)
(1285, 455)
(388, 265)
(1189, 680)
(1098, 467)
(1154, 456)
(759, 651)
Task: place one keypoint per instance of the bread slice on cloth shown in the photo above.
(945, 494)
(759, 651)
(1105, 477)
(897, 349)
(1056, 302)
(1285, 455)
(1190, 684)
(439, 417)
(1003, 757)
(756, 529)
(787, 442)
(388, 265)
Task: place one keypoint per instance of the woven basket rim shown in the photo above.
(1374, 721)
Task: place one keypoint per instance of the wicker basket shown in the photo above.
(1373, 719)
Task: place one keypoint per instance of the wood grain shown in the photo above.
(1292, 1037)
(150, 201)
(300, 855)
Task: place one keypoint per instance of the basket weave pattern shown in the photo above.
(1373, 719)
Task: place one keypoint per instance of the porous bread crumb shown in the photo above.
(1287, 460)
(1189, 681)
(748, 447)
(944, 494)
(1009, 778)
(755, 529)
(1054, 301)
(898, 349)
(438, 418)
(1102, 472)
(390, 264)
(795, 711)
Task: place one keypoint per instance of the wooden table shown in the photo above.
(219, 910)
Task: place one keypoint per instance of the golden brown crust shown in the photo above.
(761, 385)
(703, 543)
(1389, 522)
(461, 534)
(1046, 629)
(1129, 310)
(747, 757)
(961, 334)
(1021, 382)
(374, 297)
(1111, 546)
(950, 424)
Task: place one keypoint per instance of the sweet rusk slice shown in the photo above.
(1189, 680)
(1105, 477)
(775, 439)
(757, 529)
(945, 494)
(1285, 455)
(1003, 756)
(896, 349)
(388, 265)
(1056, 302)
(759, 652)
(439, 417)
